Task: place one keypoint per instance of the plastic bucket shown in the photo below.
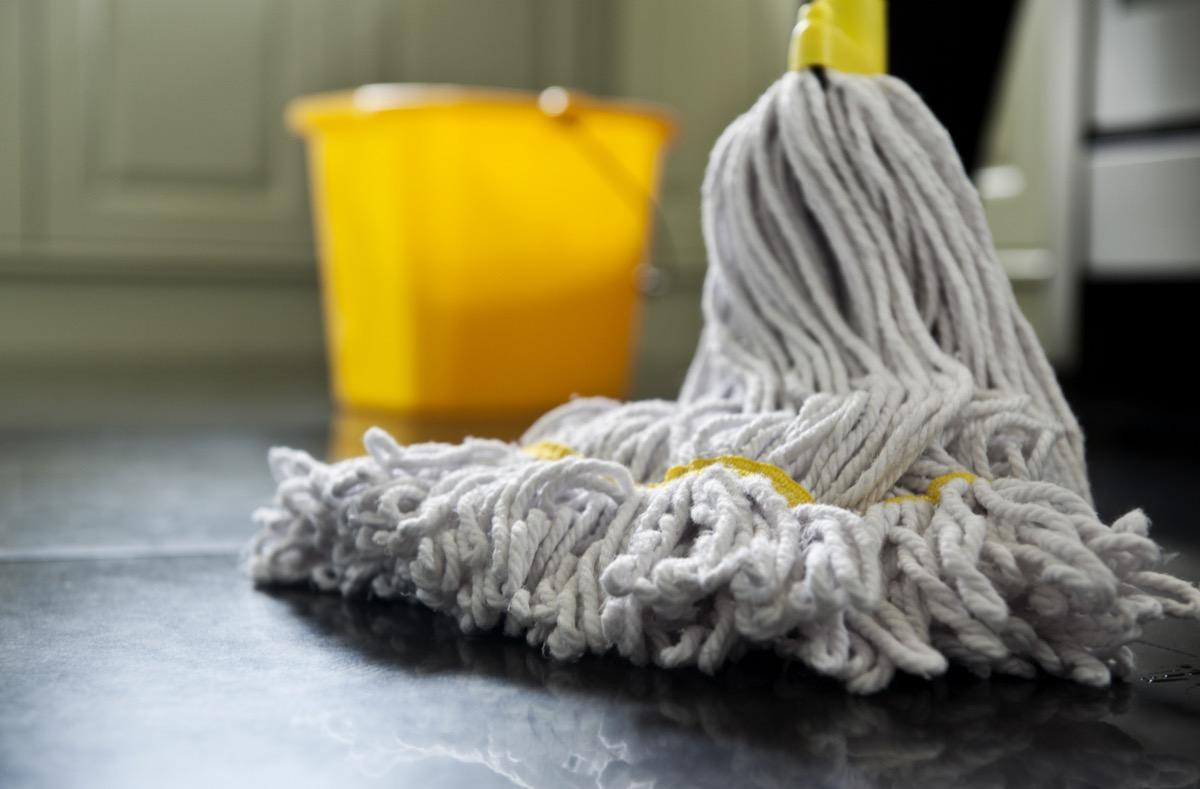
(480, 250)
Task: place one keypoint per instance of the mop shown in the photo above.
(870, 468)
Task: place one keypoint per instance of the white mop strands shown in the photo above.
(870, 468)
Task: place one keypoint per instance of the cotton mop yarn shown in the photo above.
(870, 467)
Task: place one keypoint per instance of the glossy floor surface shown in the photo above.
(133, 653)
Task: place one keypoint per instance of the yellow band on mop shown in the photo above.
(548, 450)
(790, 489)
(785, 486)
(933, 494)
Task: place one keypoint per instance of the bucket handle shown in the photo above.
(663, 269)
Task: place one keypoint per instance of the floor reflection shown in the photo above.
(600, 722)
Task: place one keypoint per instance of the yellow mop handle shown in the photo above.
(847, 35)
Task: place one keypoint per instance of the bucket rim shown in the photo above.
(311, 112)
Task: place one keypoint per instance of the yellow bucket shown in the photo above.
(480, 249)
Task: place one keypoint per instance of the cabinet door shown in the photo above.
(10, 124)
(161, 125)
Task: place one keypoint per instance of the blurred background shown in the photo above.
(156, 253)
(161, 327)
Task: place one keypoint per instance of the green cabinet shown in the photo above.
(142, 141)
(159, 128)
(152, 129)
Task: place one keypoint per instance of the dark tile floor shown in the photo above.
(134, 653)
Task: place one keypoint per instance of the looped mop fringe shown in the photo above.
(870, 467)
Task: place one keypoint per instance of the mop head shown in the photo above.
(870, 467)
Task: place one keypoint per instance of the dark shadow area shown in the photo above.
(1133, 395)
(951, 53)
(1133, 385)
(761, 722)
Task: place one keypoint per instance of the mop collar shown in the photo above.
(847, 35)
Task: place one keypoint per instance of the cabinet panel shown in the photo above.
(10, 123)
(163, 120)
(464, 41)
(165, 107)
(1142, 211)
(1147, 59)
